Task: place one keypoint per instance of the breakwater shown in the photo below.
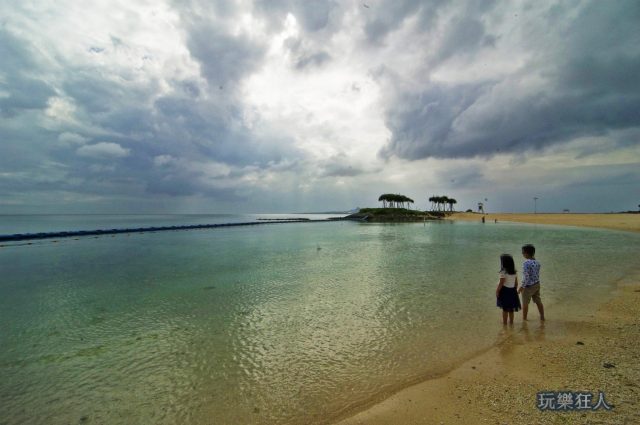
(100, 232)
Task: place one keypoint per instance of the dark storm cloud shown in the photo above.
(202, 130)
(587, 88)
(464, 35)
(98, 93)
(224, 58)
(126, 125)
(195, 132)
(383, 18)
(386, 17)
(24, 93)
(428, 116)
(121, 116)
(21, 91)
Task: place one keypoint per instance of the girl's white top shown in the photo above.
(509, 280)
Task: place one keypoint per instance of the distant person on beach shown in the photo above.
(530, 288)
(507, 290)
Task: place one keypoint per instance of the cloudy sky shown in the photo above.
(207, 106)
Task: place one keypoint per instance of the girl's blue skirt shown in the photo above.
(508, 299)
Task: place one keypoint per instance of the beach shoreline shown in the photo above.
(612, 221)
(596, 352)
(496, 387)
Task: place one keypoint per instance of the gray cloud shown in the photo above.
(584, 85)
(135, 125)
(25, 93)
(422, 123)
(304, 54)
(21, 90)
(595, 188)
(23, 146)
(341, 166)
(315, 59)
(463, 35)
(383, 18)
(125, 124)
(103, 150)
(224, 58)
(97, 92)
(387, 17)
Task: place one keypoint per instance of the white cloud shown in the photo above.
(70, 139)
(103, 150)
(161, 160)
(327, 110)
(60, 110)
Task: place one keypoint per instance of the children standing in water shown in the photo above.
(507, 290)
(530, 281)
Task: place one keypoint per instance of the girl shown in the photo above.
(507, 290)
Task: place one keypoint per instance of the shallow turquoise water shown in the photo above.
(286, 323)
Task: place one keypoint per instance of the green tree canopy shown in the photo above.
(439, 203)
(394, 200)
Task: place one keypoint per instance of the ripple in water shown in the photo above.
(258, 324)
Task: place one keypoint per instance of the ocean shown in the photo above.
(274, 324)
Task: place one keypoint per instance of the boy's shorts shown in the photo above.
(531, 292)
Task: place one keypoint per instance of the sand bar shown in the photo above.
(614, 221)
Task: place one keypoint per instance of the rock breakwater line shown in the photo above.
(76, 233)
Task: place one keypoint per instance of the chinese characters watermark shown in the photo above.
(571, 400)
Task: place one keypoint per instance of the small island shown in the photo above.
(395, 209)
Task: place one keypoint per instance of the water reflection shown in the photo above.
(533, 332)
(258, 325)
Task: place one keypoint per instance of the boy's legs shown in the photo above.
(529, 293)
(540, 310)
(526, 298)
(536, 299)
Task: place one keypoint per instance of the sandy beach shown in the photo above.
(594, 352)
(614, 221)
(600, 352)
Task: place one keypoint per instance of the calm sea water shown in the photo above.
(285, 323)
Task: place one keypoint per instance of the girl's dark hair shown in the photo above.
(506, 264)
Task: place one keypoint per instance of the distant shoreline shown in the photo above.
(613, 221)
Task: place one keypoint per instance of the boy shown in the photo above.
(530, 288)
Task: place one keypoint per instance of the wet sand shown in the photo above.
(614, 221)
(568, 352)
